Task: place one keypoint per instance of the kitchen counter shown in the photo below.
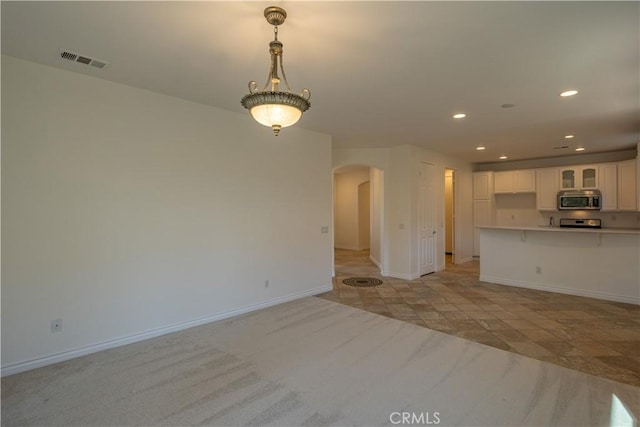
(598, 263)
(633, 231)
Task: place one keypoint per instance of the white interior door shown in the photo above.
(427, 218)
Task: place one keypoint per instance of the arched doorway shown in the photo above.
(449, 216)
(358, 220)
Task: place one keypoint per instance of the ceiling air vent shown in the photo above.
(92, 62)
(68, 55)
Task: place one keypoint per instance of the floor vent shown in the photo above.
(92, 62)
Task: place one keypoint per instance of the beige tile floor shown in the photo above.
(589, 335)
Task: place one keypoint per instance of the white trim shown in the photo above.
(403, 276)
(568, 291)
(349, 248)
(375, 261)
(463, 260)
(16, 368)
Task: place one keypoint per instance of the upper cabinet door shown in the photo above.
(579, 177)
(482, 185)
(524, 181)
(547, 189)
(503, 182)
(520, 181)
(627, 182)
(568, 179)
(608, 177)
(589, 177)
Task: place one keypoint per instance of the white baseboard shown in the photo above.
(39, 362)
(569, 291)
(349, 248)
(463, 260)
(403, 276)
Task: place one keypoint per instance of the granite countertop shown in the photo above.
(549, 228)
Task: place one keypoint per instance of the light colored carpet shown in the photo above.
(309, 362)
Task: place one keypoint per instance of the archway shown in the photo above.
(449, 216)
(358, 213)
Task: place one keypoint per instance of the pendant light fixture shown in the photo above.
(271, 106)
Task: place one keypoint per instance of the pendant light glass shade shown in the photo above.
(276, 115)
(271, 107)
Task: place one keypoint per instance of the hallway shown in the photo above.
(593, 336)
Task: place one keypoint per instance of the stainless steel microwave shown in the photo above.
(579, 200)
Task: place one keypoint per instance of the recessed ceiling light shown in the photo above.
(480, 147)
(568, 93)
(580, 149)
(569, 136)
(503, 157)
(459, 116)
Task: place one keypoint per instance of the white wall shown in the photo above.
(364, 215)
(400, 224)
(398, 213)
(128, 213)
(377, 203)
(448, 210)
(346, 208)
(597, 265)
(517, 209)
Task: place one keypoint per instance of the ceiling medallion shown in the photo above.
(271, 106)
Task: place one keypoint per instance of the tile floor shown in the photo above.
(589, 335)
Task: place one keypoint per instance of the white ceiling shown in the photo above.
(380, 73)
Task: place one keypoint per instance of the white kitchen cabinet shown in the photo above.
(608, 185)
(547, 189)
(483, 206)
(524, 181)
(482, 215)
(482, 185)
(578, 177)
(517, 181)
(503, 182)
(627, 182)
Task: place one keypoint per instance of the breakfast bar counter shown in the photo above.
(632, 231)
(599, 263)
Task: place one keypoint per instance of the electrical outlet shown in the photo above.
(324, 229)
(56, 325)
(266, 283)
(538, 270)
